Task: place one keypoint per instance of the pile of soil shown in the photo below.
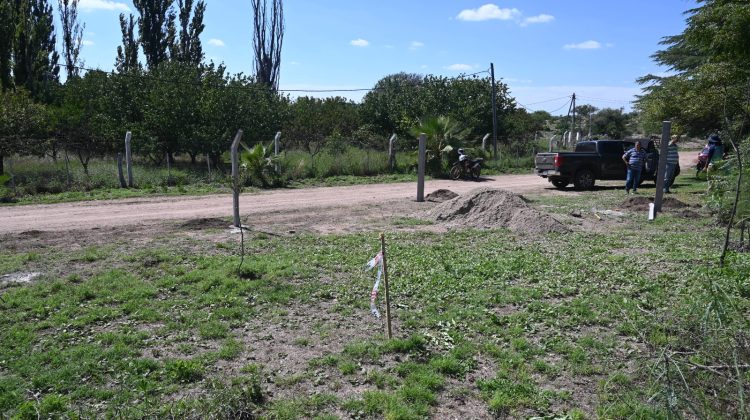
(206, 223)
(495, 208)
(640, 203)
(441, 195)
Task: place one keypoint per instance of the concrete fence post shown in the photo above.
(666, 129)
(421, 167)
(392, 152)
(236, 179)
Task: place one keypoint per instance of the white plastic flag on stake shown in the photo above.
(377, 260)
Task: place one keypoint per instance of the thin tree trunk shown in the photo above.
(734, 206)
(2, 166)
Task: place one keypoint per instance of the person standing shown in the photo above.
(673, 159)
(634, 160)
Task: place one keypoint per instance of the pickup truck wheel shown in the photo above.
(560, 183)
(584, 179)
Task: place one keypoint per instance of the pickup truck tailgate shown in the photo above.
(545, 161)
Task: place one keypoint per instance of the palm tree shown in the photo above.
(440, 131)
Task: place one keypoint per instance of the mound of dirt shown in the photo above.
(205, 223)
(640, 203)
(495, 208)
(441, 195)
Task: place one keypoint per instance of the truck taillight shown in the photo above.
(558, 161)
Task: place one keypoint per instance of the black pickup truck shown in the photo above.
(592, 160)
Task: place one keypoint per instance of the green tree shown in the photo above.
(710, 66)
(7, 38)
(188, 48)
(23, 127)
(83, 121)
(127, 53)
(612, 123)
(156, 28)
(34, 56)
(72, 32)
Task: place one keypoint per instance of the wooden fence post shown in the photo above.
(169, 170)
(120, 175)
(208, 162)
(129, 159)
(385, 282)
(236, 178)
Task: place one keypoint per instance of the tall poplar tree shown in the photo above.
(72, 35)
(156, 29)
(188, 48)
(268, 37)
(34, 55)
(127, 53)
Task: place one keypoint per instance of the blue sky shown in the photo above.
(543, 49)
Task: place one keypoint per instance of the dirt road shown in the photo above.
(321, 207)
(275, 203)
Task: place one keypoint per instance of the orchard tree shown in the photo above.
(23, 127)
(83, 122)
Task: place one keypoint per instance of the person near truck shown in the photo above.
(673, 159)
(634, 160)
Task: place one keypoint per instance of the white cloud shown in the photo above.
(488, 12)
(87, 42)
(537, 19)
(416, 44)
(90, 5)
(216, 42)
(586, 45)
(461, 67)
(359, 42)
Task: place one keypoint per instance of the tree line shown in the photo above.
(177, 103)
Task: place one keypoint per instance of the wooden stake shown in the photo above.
(385, 281)
(120, 175)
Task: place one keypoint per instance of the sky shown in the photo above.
(544, 50)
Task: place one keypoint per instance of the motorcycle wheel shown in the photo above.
(455, 172)
(475, 173)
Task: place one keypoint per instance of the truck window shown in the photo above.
(586, 146)
(611, 148)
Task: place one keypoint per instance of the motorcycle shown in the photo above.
(702, 159)
(466, 166)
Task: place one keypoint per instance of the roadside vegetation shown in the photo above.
(627, 319)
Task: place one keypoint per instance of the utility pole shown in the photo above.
(590, 113)
(494, 113)
(573, 115)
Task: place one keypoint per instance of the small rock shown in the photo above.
(576, 213)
